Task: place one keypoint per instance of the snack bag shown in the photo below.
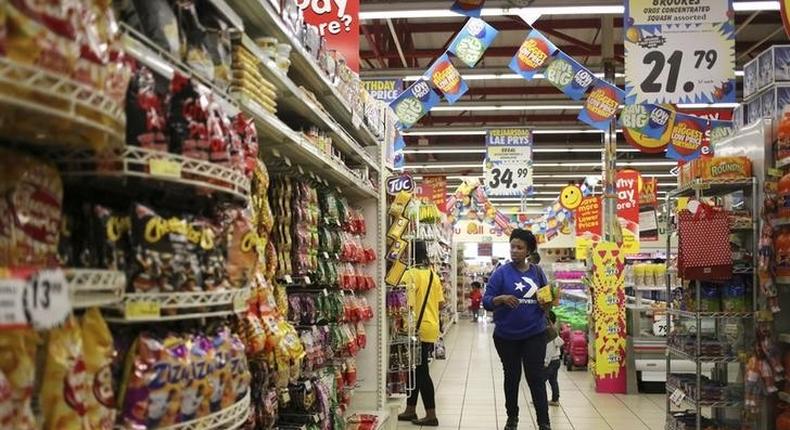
(66, 385)
(239, 372)
(99, 353)
(219, 375)
(243, 251)
(196, 394)
(145, 112)
(7, 413)
(18, 365)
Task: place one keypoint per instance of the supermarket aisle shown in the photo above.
(469, 396)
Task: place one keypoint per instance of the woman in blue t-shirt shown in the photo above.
(520, 321)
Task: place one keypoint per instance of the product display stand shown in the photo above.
(727, 333)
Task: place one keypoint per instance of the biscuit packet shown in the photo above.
(18, 365)
(66, 386)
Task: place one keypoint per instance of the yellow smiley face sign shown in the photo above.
(571, 197)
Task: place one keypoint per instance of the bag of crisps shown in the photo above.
(99, 353)
(66, 386)
(17, 363)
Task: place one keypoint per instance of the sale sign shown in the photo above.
(601, 105)
(588, 225)
(508, 164)
(609, 326)
(647, 127)
(627, 185)
(434, 188)
(569, 76)
(445, 78)
(679, 52)
(414, 103)
(533, 55)
(688, 137)
(385, 90)
(472, 41)
(338, 22)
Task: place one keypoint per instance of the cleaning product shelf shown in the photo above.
(262, 20)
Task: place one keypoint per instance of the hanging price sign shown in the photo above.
(46, 298)
(508, 164)
(679, 53)
(660, 325)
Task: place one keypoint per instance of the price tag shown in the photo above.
(167, 168)
(47, 299)
(677, 397)
(240, 302)
(685, 56)
(508, 163)
(326, 255)
(659, 325)
(776, 173)
(142, 310)
(732, 329)
(12, 309)
(326, 293)
(288, 279)
(301, 171)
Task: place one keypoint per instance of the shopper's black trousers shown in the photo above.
(423, 382)
(551, 375)
(530, 354)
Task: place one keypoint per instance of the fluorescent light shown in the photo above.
(746, 6)
(739, 73)
(445, 151)
(460, 108)
(647, 163)
(571, 131)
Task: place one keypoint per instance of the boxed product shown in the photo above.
(750, 77)
(774, 65)
(770, 103)
(725, 167)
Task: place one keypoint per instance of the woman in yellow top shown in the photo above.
(425, 297)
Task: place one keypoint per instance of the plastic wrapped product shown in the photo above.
(66, 385)
(146, 125)
(159, 23)
(18, 365)
(99, 353)
(217, 43)
(194, 37)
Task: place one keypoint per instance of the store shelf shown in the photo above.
(783, 396)
(705, 403)
(292, 149)
(149, 307)
(93, 287)
(228, 13)
(784, 337)
(707, 359)
(688, 314)
(646, 287)
(291, 99)
(781, 222)
(740, 225)
(76, 115)
(230, 418)
(262, 20)
(156, 167)
(711, 188)
(783, 163)
(576, 294)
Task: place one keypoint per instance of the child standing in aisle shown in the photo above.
(477, 297)
(552, 362)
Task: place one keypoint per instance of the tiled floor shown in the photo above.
(470, 397)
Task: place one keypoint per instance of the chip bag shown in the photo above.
(66, 385)
(17, 363)
(99, 352)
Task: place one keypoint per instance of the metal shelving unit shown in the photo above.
(699, 189)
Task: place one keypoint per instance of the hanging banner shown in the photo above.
(434, 188)
(385, 90)
(398, 157)
(588, 225)
(601, 105)
(508, 164)
(533, 55)
(414, 103)
(627, 183)
(472, 41)
(648, 195)
(720, 130)
(568, 76)
(445, 78)
(338, 22)
(648, 218)
(682, 53)
(468, 7)
(647, 127)
(608, 313)
(688, 137)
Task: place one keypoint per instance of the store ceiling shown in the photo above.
(456, 151)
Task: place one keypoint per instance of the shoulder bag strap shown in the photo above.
(424, 302)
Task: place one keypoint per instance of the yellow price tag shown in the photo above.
(776, 173)
(142, 310)
(159, 167)
(240, 303)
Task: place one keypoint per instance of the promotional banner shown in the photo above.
(609, 327)
(385, 90)
(533, 55)
(568, 76)
(720, 130)
(648, 194)
(627, 183)
(434, 188)
(688, 136)
(398, 158)
(508, 164)
(468, 7)
(414, 103)
(601, 105)
(679, 53)
(647, 127)
(588, 225)
(648, 218)
(472, 41)
(338, 22)
(445, 78)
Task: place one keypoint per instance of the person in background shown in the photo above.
(520, 332)
(425, 296)
(534, 257)
(552, 362)
(477, 297)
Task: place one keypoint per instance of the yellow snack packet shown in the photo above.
(18, 364)
(66, 386)
(545, 295)
(99, 353)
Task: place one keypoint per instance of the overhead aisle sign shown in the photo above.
(508, 164)
(679, 52)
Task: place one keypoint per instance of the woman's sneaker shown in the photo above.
(554, 402)
(512, 423)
